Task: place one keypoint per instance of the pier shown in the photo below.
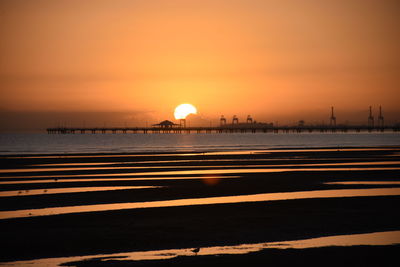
(251, 128)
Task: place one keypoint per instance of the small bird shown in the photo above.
(196, 250)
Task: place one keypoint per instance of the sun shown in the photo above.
(183, 110)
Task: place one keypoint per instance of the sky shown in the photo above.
(132, 62)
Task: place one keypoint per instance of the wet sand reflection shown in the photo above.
(46, 191)
(209, 172)
(153, 161)
(366, 183)
(376, 239)
(61, 180)
(204, 201)
(107, 168)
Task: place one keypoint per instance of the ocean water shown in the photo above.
(132, 143)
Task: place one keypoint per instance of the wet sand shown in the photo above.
(201, 225)
(327, 256)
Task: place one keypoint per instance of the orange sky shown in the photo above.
(272, 59)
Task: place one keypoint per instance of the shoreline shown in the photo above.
(197, 152)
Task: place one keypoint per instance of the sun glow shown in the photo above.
(183, 110)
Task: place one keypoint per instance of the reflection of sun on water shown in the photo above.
(210, 180)
(183, 110)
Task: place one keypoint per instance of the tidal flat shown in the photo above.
(332, 179)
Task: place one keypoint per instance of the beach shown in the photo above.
(123, 202)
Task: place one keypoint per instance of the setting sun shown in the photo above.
(183, 110)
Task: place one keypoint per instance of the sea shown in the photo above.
(43, 143)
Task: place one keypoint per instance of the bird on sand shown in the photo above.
(196, 250)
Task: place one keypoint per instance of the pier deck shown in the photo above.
(220, 129)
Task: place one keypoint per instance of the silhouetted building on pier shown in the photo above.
(166, 124)
(235, 119)
(222, 121)
(249, 119)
